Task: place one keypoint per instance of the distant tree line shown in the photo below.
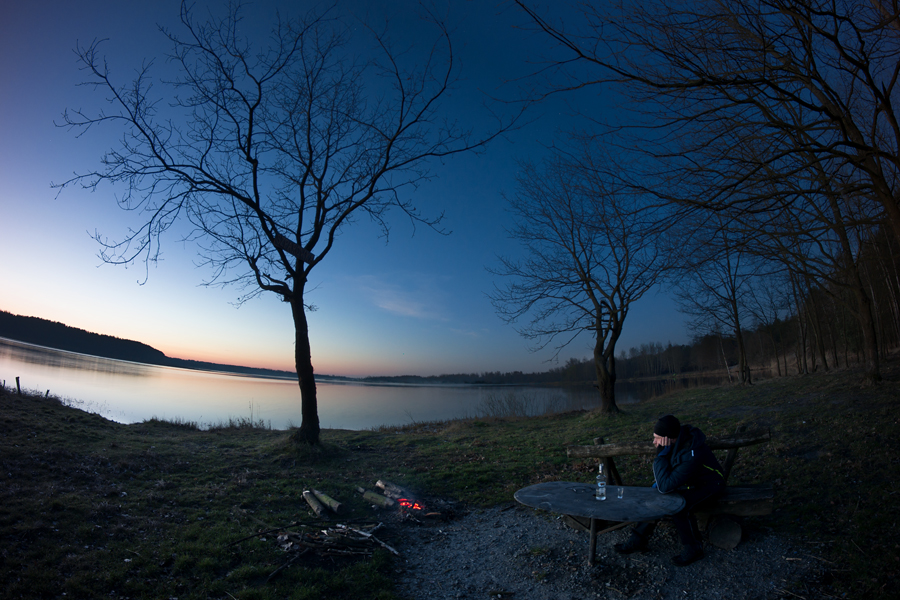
(803, 326)
(819, 338)
(51, 334)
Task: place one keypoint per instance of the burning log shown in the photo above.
(314, 503)
(335, 506)
(410, 506)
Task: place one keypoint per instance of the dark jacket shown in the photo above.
(687, 463)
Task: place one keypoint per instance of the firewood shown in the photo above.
(382, 501)
(328, 501)
(314, 503)
(392, 490)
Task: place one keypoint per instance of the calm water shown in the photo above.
(132, 392)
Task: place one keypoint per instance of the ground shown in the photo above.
(522, 554)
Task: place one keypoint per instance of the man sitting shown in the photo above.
(684, 465)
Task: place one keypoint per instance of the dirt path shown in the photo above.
(517, 553)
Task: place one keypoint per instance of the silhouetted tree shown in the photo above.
(269, 153)
(590, 253)
(716, 278)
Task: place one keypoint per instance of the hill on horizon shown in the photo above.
(52, 334)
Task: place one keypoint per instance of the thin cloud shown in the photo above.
(419, 300)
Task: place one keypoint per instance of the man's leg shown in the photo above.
(640, 536)
(686, 524)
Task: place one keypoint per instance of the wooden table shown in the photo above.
(568, 498)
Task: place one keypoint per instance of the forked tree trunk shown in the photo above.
(309, 424)
(605, 367)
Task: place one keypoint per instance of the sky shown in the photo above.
(417, 304)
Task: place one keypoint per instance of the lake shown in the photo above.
(129, 392)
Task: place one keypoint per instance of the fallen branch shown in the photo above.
(338, 541)
(373, 538)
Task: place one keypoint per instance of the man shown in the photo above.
(684, 465)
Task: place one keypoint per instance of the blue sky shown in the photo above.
(415, 305)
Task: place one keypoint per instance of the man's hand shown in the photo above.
(659, 441)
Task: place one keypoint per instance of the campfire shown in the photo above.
(409, 504)
(406, 503)
(301, 538)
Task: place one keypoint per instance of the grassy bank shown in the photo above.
(92, 508)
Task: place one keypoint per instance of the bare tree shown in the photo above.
(269, 153)
(708, 76)
(768, 304)
(717, 274)
(589, 254)
(757, 107)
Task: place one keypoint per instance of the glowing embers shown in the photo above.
(409, 504)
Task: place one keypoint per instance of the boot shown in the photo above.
(635, 543)
(690, 553)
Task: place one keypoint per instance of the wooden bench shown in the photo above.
(714, 516)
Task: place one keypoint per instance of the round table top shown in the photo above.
(568, 498)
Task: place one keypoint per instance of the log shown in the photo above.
(328, 501)
(736, 440)
(382, 501)
(314, 503)
(725, 533)
(392, 490)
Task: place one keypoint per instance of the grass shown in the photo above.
(92, 508)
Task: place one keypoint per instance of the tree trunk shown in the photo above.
(605, 368)
(743, 363)
(309, 424)
(777, 346)
(818, 349)
(870, 338)
(742, 357)
(724, 358)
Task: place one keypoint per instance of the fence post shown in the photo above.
(18, 387)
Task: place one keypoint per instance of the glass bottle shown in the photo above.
(601, 484)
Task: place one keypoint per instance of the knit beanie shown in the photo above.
(668, 426)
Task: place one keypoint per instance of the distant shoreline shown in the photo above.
(207, 367)
(59, 336)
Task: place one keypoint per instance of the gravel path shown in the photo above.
(517, 553)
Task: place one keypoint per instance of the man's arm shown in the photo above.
(669, 478)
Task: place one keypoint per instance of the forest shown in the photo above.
(751, 170)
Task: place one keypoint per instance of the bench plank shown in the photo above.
(750, 501)
(736, 440)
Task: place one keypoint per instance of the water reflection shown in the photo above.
(131, 392)
(38, 355)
